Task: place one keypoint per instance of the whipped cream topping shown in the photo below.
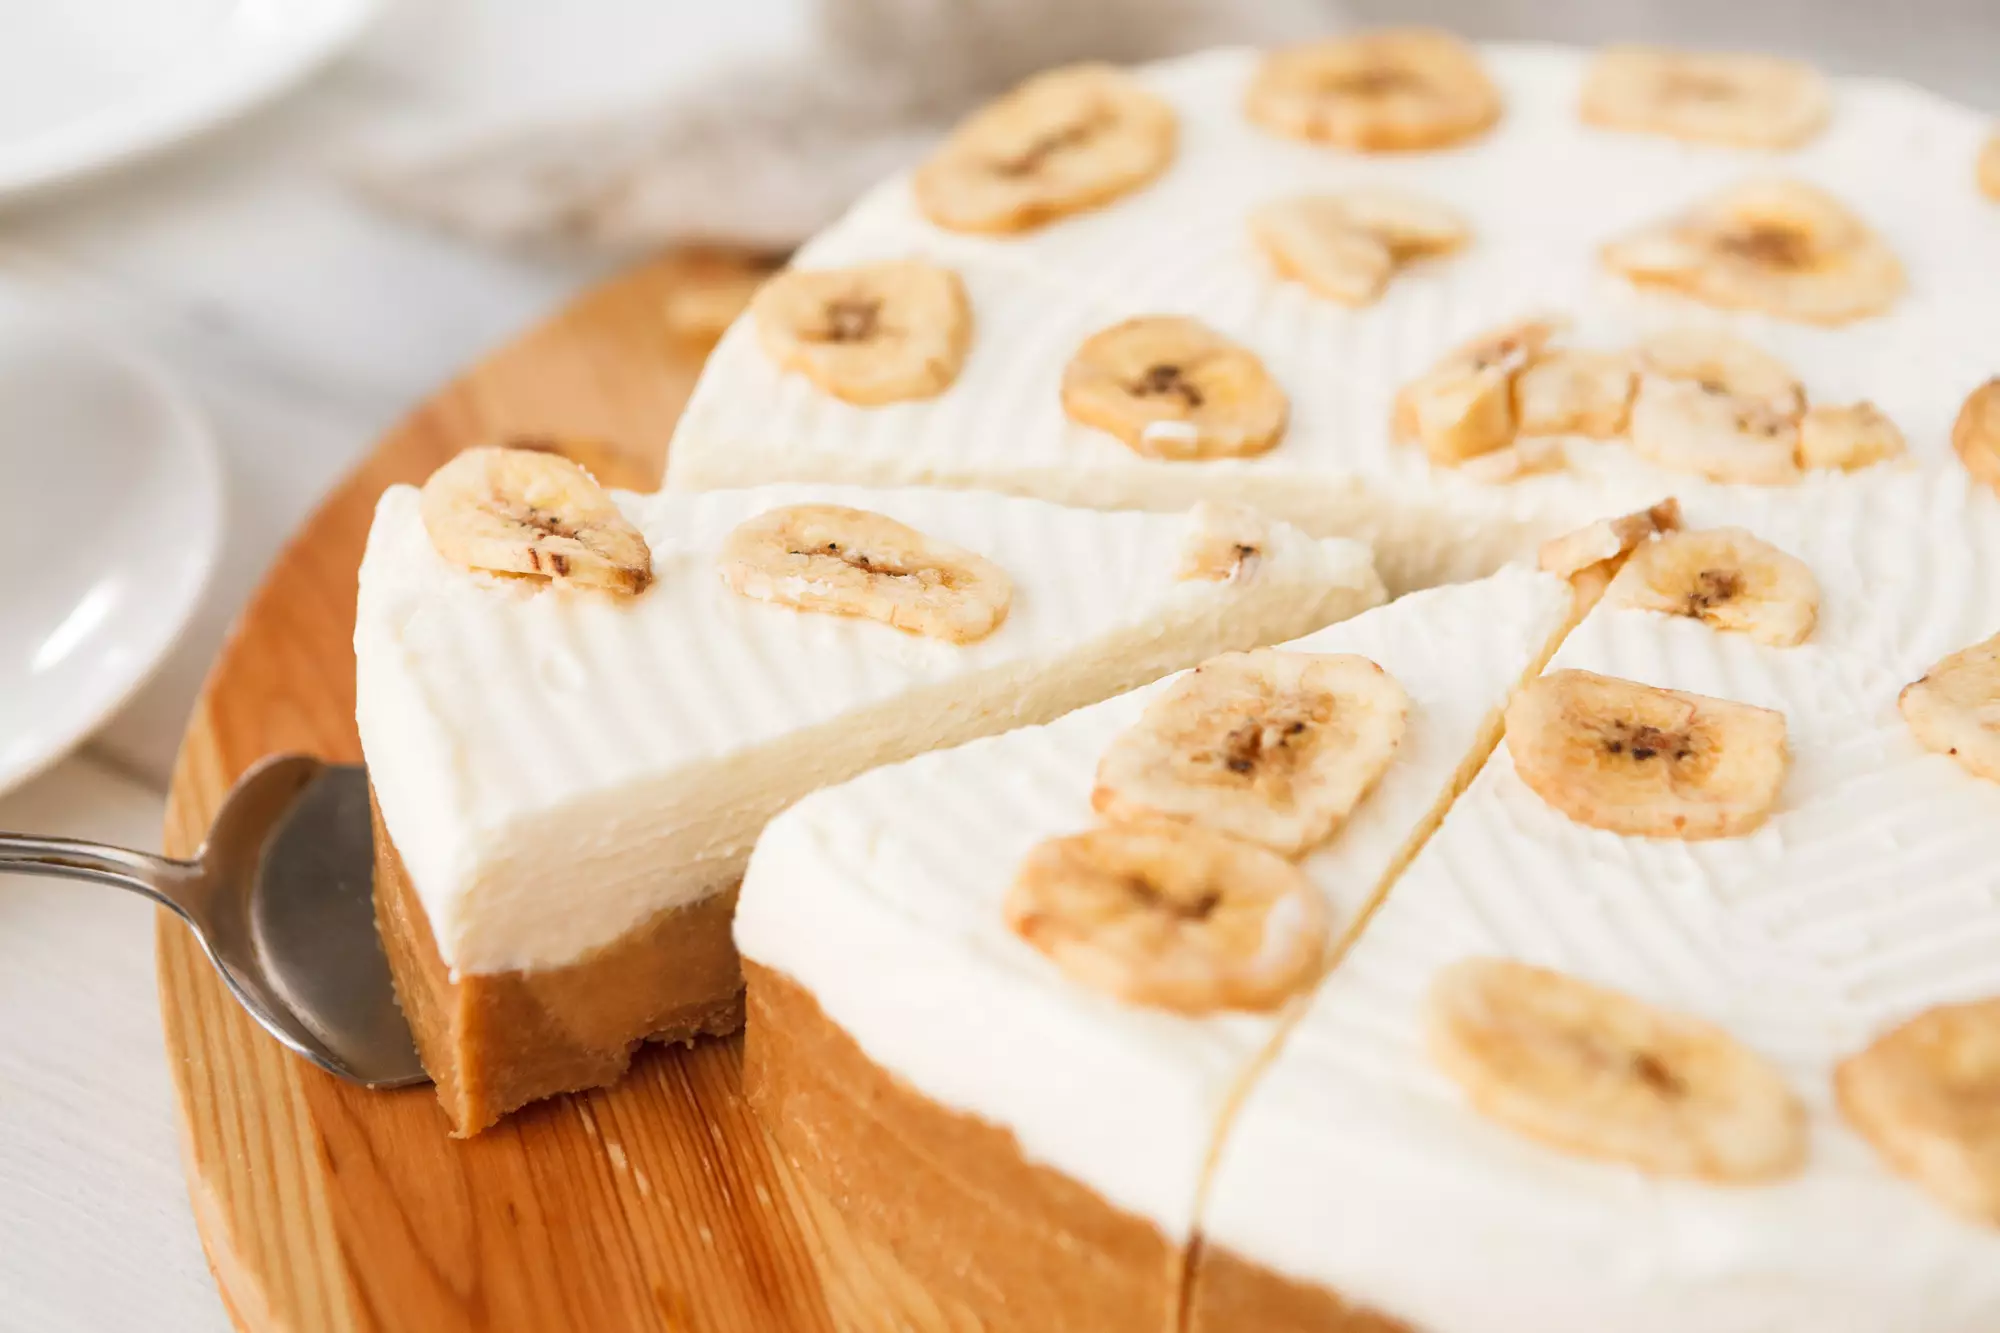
(1542, 193)
(883, 897)
(555, 767)
(1871, 894)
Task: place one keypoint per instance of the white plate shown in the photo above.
(85, 83)
(112, 497)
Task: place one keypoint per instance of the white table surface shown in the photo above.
(307, 324)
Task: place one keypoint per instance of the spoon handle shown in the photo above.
(159, 878)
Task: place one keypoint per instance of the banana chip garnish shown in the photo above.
(1171, 387)
(1848, 438)
(1975, 436)
(1464, 406)
(1744, 101)
(1064, 141)
(853, 562)
(1174, 916)
(1955, 709)
(1726, 578)
(1646, 762)
(1572, 391)
(1345, 246)
(1927, 1095)
(1598, 1073)
(1270, 746)
(1779, 246)
(536, 515)
(1388, 90)
(872, 334)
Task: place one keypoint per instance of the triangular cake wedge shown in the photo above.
(1029, 1145)
(1537, 197)
(568, 782)
(1385, 1173)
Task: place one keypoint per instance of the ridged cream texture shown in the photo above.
(556, 767)
(883, 897)
(1872, 893)
(1542, 193)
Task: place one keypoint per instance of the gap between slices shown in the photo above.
(1469, 768)
(1066, 140)
(532, 514)
(854, 562)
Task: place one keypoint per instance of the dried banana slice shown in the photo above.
(1687, 427)
(1989, 166)
(1608, 539)
(1389, 90)
(1225, 543)
(535, 514)
(1464, 406)
(1172, 387)
(1522, 458)
(1171, 915)
(852, 562)
(1345, 246)
(1722, 364)
(1064, 141)
(872, 334)
(1975, 436)
(1781, 247)
(1646, 762)
(1747, 101)
(1723, 577)
(1573, 392)
(1955, 708)
(1848, 438)
(1273, 747)
(1595, 1072)
(1927, 1095)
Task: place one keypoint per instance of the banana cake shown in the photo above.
(578, 708)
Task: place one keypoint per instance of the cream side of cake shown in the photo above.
(1357, 1174)
(1541, 193)
(559, 772)
(883, 901)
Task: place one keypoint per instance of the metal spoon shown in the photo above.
(281, 897)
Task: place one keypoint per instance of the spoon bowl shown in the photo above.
(280, 895)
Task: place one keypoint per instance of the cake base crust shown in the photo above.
(1021, 1245)
(1228, 1293)
(495, 1041)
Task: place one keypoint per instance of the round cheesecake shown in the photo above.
(1656, 982)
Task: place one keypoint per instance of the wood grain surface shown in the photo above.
(656, 1205)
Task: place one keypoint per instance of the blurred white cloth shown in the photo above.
(766, 149)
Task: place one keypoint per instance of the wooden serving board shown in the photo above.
(656, 1205)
